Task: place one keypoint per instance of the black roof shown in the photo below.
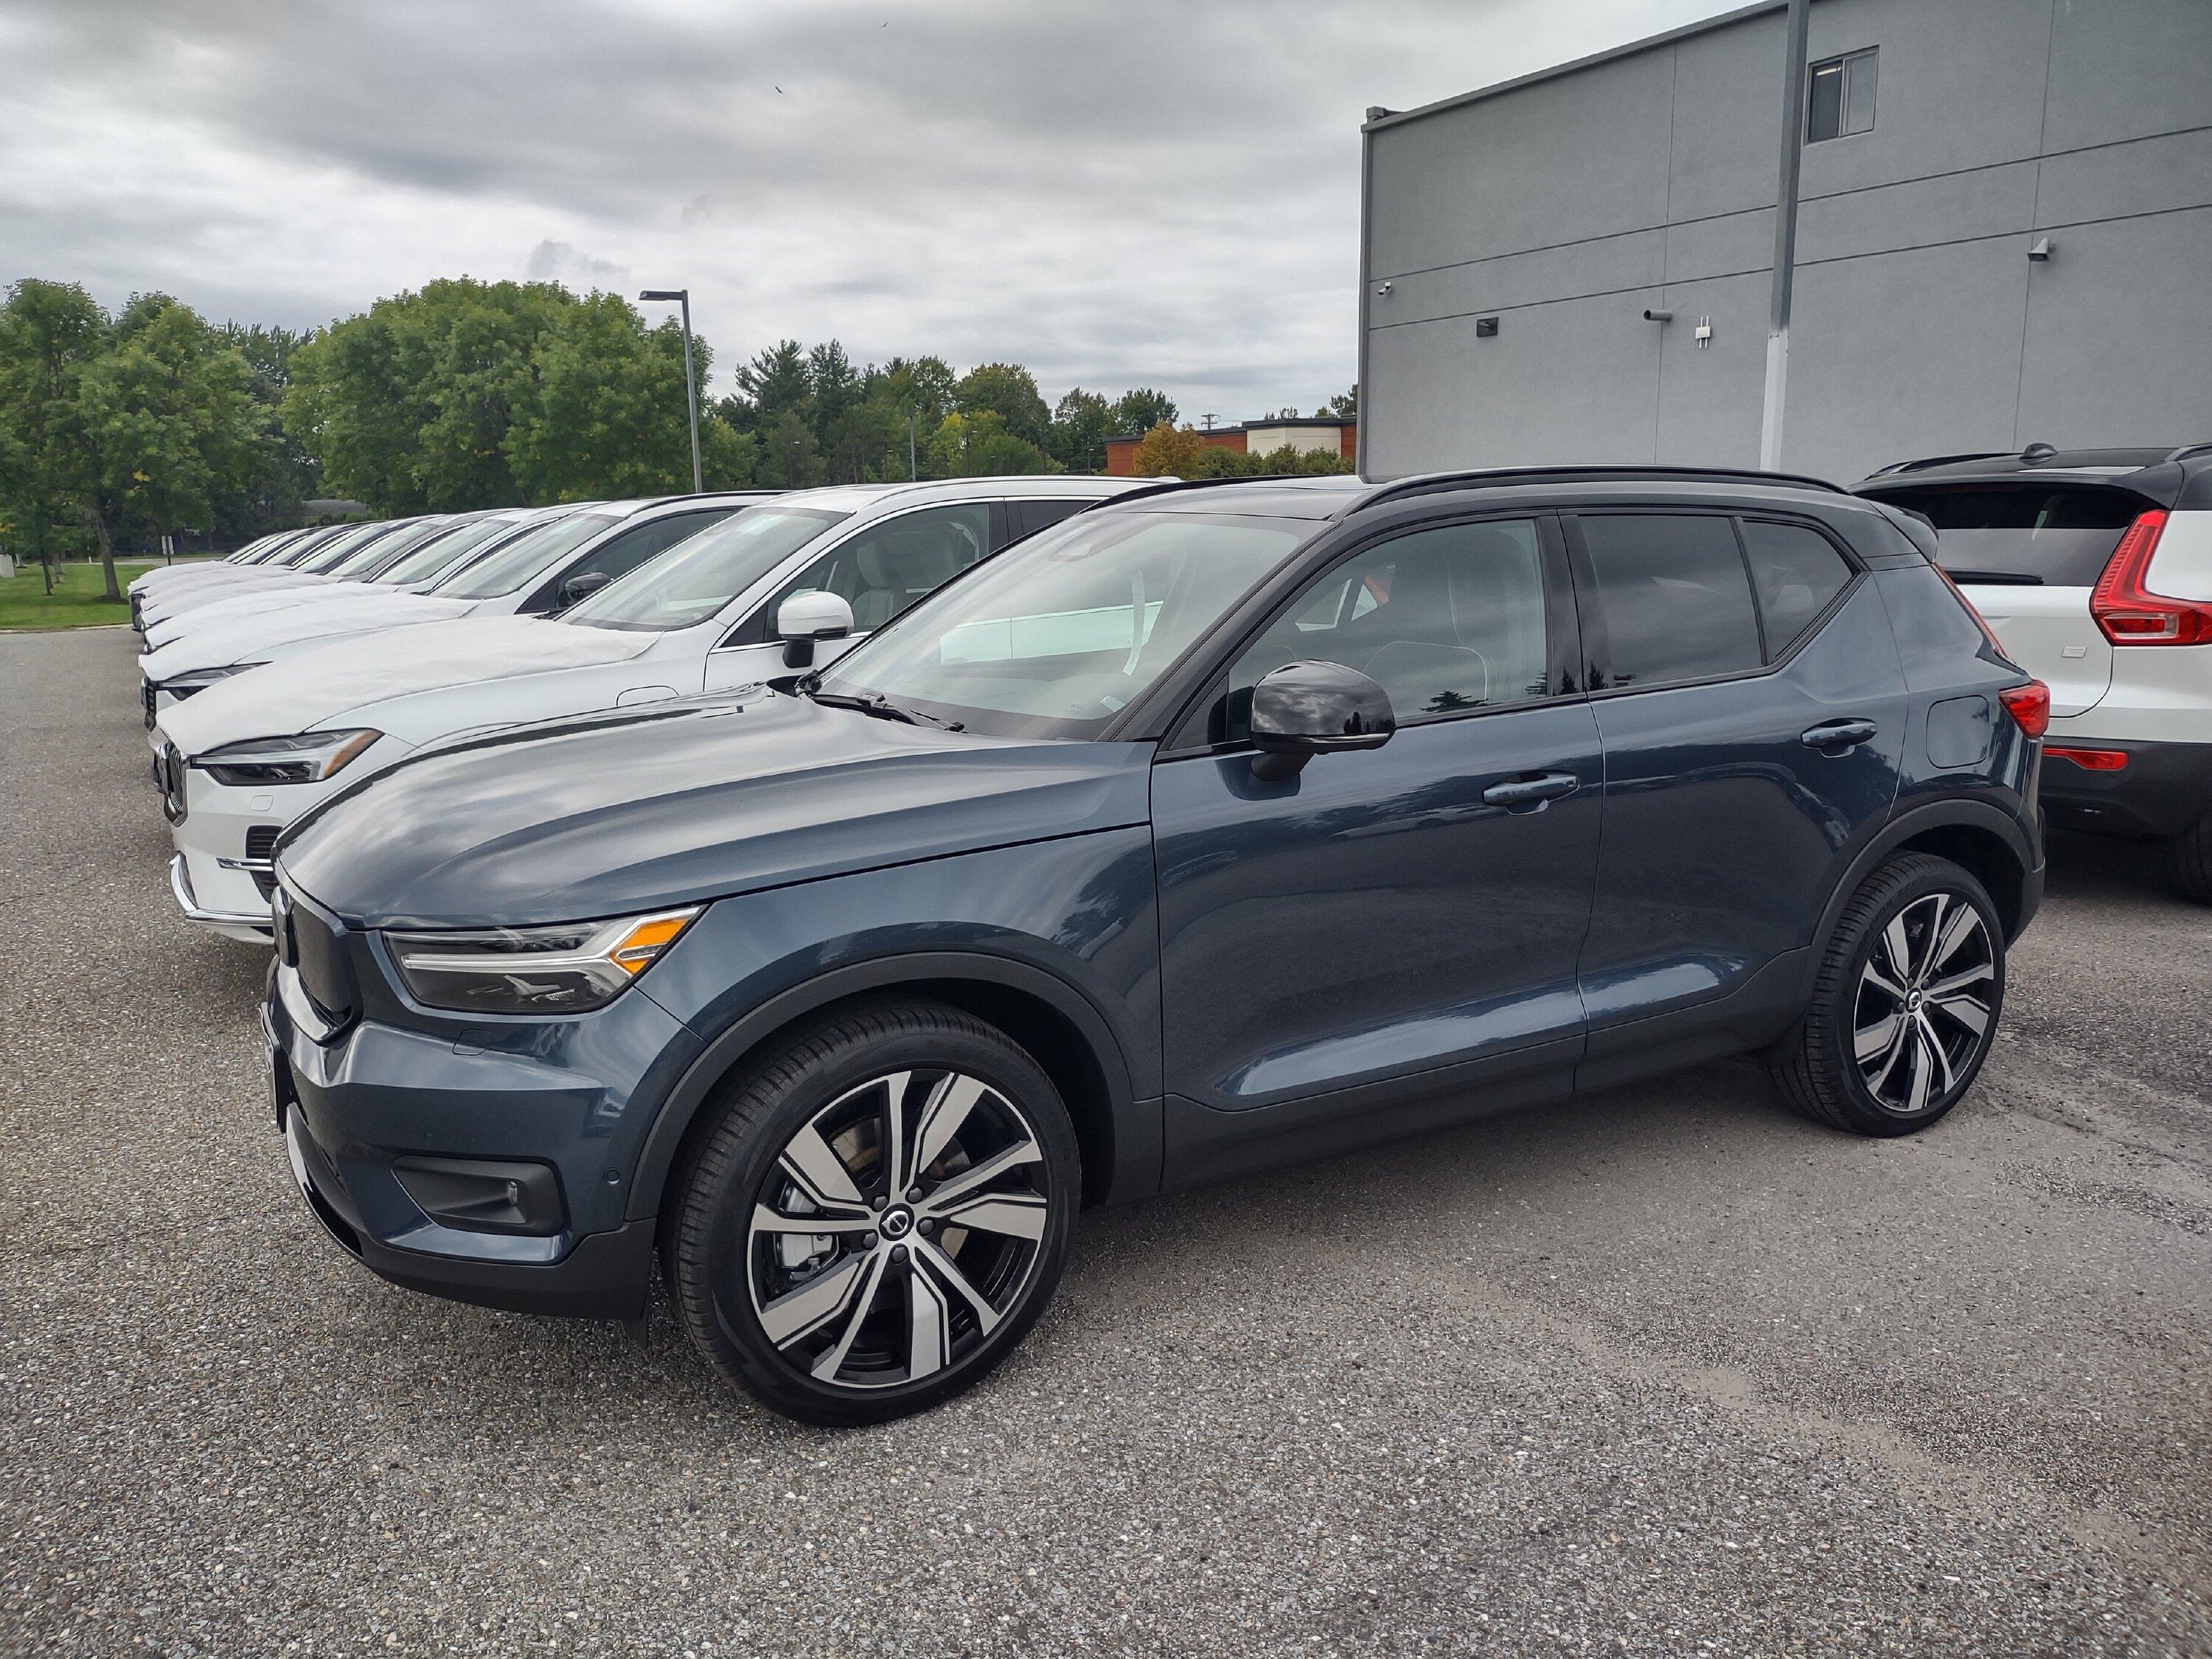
(2177, 476)
(1335, 495)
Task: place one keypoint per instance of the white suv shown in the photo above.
(247, 757)
(2093, 567)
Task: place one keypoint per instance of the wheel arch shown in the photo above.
(1058, 1024)
(1984, 840)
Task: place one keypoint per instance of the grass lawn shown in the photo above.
(75, 602)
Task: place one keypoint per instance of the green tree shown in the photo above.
(1081, 423)
(49, 332)
(163, 425)
(1345, 406)
(602, 414)
(1142, 409)
(1168, 452)
(285, 474)
(789, 457)
(774, 384)
(1010, 392)
(979, 446)
(927, 385)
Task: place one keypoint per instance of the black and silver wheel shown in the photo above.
(880, 1212)
(2189, 856)
(1905, 1004)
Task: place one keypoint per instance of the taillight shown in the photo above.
(2124, 604)
(2029, 705)
(2093, 760)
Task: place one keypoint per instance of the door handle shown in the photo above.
(1531, 793)
(1832, 736)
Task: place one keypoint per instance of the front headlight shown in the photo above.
(307, 758)
(561, 969)
(183, 685)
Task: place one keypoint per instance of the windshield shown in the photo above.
(1059, 634)
(703, 573)
(442, 551)
(334, 552)
(300, 546)
(527, 558)
(357, 565)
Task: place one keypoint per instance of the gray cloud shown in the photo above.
(1143, 193)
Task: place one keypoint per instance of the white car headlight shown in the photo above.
(561, 970)
(183, 685)
(307, 758)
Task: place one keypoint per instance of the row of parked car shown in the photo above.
(825, 895)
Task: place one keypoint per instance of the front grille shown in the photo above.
(146, 695)
(325, 975)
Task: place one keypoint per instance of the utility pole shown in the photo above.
(1785, 239)
(683, 295)
(913, 472)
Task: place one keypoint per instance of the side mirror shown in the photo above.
(804, 618)
(1306, 708)
(579, 588)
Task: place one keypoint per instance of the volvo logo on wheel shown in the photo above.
(896, 1224)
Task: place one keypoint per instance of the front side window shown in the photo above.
(882, 570)
(1839, 96)
(620, 554)
(1674, 596)
(1059, 634)
(526, 558)
(1446, 620)
(709, 570)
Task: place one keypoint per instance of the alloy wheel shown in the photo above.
(897, 1229)
(1923, 1011)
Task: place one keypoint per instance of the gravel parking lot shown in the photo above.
(1666, 1370)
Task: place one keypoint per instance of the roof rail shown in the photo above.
(1422, 484)
(1925, 462)
(1169, 486)
(2187, 450)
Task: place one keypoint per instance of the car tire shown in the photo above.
(917, 1287)
(2189, 855)
(1904, 1004)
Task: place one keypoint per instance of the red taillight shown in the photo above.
(2029, 705)
(2125, 608)
(2093, 760)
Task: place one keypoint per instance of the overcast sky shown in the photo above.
(1117, 194)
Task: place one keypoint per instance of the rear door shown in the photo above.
(2027, 557)
(1752, 712)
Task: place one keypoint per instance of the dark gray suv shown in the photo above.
(1217, 826)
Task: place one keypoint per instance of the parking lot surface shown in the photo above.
(1663, 1370)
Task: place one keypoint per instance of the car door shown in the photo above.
(1393, 918)
(879, 569)
(1749, 694)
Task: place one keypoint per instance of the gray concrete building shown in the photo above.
(2005, 237)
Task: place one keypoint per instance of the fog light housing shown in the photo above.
(483, 1195)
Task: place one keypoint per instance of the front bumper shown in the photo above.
(252, 927)
(2162, 789)
(360, 1103)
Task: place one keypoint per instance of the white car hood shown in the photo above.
(180, 597)
(250, 638)
(319, 685)
(230, 607)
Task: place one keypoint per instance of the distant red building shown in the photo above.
(1328, 432)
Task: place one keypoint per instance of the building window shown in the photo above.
(1839, 99)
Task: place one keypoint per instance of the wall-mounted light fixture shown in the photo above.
(1385, 288)
(1485, 327)
(2041, 252)
(1650, 315)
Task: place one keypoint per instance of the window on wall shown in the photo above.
(1839, 97)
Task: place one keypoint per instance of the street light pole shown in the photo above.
(682, 296)
(1785, 241)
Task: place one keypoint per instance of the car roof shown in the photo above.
(858, 498)
(2180, 476)
(1338, 496)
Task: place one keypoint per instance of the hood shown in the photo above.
(322, 684)
(234, 638)
(678, 803)
(176, 599)
(218, 609)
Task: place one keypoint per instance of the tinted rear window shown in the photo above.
(1676, 599)
(2056, 535)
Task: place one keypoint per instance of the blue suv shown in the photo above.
(1217, 826)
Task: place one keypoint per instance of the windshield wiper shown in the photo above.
(875, 703)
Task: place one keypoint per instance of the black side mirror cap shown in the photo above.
(579, 588)
(1306, 708)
